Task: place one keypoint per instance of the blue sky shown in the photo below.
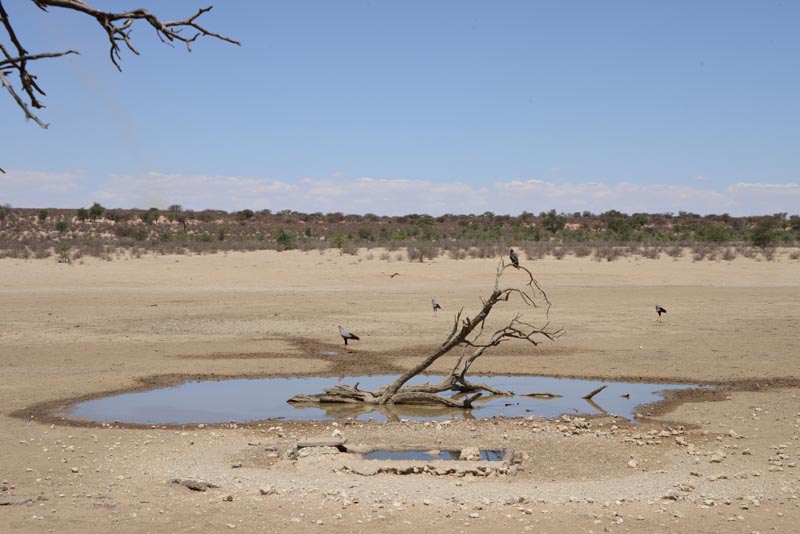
(419, 106)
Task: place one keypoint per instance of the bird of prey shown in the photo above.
(347, 335)
(660, 310)
(435, 305)
(514, 258)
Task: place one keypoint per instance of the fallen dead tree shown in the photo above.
(468, 335)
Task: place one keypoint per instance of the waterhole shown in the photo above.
(245, 400)
(486, 455)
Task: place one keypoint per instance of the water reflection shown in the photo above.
(487, 455)
(254, 399)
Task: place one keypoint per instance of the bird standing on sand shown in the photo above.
(660, 310)
(435, 306)
(514, 258)
(347, 335)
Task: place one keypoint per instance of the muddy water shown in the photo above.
(255, 399)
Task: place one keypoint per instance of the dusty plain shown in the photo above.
(717, 461)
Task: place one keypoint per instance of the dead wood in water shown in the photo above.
(593, 393)
(544, 395)
(469, 335)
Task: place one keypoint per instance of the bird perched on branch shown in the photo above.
(347, 335)
(660, 310)
(514, 258)
(435, 306)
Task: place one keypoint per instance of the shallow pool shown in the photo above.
(244, 400)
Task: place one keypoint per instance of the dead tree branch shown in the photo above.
(594, 392)
(467, 333)
(545, 395)
(117, 27)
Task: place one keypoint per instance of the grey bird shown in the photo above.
(435, 305)
(660, 310)
(347, 335)
(514, 258)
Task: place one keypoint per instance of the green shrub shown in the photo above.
(763, 235)
(284, 239)
(96, 211)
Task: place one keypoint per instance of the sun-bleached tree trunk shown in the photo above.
(469, 336)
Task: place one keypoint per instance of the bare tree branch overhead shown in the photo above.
(15, 59)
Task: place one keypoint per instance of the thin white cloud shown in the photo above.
(43, 189)
(391, 196)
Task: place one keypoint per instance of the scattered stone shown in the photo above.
(470, 454)
(321, 442)
(194, 485)
(317, 451)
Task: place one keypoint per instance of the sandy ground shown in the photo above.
(716, 462)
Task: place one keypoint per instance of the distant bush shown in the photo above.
(729, 254)
(582, 251)
(284, 239)
(63, 251)
(674, 252)
(150, 216)
(610, 235)
(763, 235)
(96, 211)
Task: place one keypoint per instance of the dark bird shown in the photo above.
(514, 258)
(435, 305)
(660, 310)
(393, 275)
(347, 335)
